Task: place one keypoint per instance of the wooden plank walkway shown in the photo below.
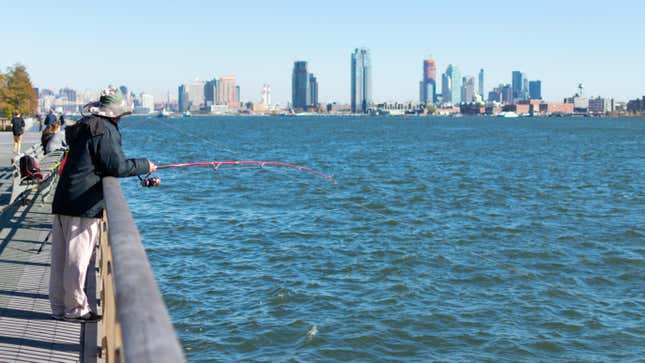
(27, 331)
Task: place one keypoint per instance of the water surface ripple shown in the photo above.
(445, 239)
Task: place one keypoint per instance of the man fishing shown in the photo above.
(94, 152)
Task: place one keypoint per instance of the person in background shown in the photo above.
(50, 118)
(94, 153)
(53, 138)
(18, 129)
(61, 121)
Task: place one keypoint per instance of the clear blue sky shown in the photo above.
(153, 46)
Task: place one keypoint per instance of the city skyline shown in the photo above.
(153, 47)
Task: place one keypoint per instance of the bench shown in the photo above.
(48, 165)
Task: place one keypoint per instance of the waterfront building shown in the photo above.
(600, 105)
(428, 85)
(455, 84)
(227, 92)
(361, 80)
(535, 90)
(446, 89)
(124, 90)
(210, 93)
(313, 91)
(635, 105)
(556, 108)
(481, 83)
(468, 90)
(300, 83)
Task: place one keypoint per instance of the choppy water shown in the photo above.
(444, 239)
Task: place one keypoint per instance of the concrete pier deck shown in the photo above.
(27, 331)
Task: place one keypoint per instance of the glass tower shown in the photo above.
(361, 92)
(300, 84)
(518, 85)
(455, 84)
(535, 90)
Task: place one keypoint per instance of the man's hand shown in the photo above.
(151, 167)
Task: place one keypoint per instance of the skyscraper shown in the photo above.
(361, 87)
(518, 84)
(481, 83)
(182, 98)
(446, 88)
(535, 90)
(428, 85)
(196, 94)
(455, 84)
(313, 91)
(266, 94)
(210, 93)
(300, 95)
(468, 90)
(227, 92)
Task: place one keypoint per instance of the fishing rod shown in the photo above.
(150, 182)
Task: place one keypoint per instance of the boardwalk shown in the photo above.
(27, 332)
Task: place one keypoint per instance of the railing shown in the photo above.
(135, 326)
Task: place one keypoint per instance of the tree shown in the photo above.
(17, 92)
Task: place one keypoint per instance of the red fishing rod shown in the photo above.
(216, 165)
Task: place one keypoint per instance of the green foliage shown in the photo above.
(431, 109)
(16, 91)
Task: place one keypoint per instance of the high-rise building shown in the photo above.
(446, 88)
(300, 94)
(454, 75)
(196, 94)
(535, 90)
(147, 102)
(481, 83)
(266, 94)
(468, 90)
(428, 85)
(182, 98)
(518, 85)
(210, 93)
(507, 94)
(227, 91)
(361, 87)
(124, 90)
(313, 91)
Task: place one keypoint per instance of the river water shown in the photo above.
(463, 239)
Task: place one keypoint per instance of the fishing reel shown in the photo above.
(150, 182)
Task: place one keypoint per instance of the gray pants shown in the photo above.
(73, 241)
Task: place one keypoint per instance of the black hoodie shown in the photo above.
(94, 152)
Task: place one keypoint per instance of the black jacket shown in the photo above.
(18, 126)
(94, 152)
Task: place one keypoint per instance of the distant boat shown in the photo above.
(187, 114)
(163, 113)
(508, 114)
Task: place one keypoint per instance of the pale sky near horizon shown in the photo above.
(153, 47)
